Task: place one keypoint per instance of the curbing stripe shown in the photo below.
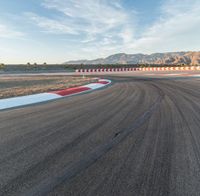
(26, 100)
(42, 97)
(70, 91)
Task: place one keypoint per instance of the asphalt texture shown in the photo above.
(137, 137)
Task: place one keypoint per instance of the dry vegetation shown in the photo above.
(18, 86)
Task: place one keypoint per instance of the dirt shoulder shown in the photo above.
(13, 86)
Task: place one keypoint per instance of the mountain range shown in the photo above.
(170, 58)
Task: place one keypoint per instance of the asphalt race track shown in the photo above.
(137, 137)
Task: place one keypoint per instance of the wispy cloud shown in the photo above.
(176, 29)
(7, 32)
(51, 25)
(94, 20)
(93, 13)
(96, 28)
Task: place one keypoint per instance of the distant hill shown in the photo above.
(171, 58)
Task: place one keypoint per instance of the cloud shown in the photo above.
(95, 28)
(92, 20)
(177, 28)
(51, 25)
(92, 12)
(7, 32)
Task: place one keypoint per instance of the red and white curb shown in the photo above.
(42, 97)
(102, 70)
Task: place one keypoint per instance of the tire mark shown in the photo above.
(73, 169)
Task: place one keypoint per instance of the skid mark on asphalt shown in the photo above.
(72, 170)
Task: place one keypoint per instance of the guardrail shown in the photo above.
(192, 68)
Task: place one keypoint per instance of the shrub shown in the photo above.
(2, 66)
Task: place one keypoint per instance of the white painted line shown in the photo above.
(97, 85)
(102, 80)
(196, 75)
(94, 85)
(171, 74)
(151, 74)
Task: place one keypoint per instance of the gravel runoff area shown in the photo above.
(12, 86)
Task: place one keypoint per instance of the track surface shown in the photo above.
(138, 137)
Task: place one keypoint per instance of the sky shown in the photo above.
(55, 31)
